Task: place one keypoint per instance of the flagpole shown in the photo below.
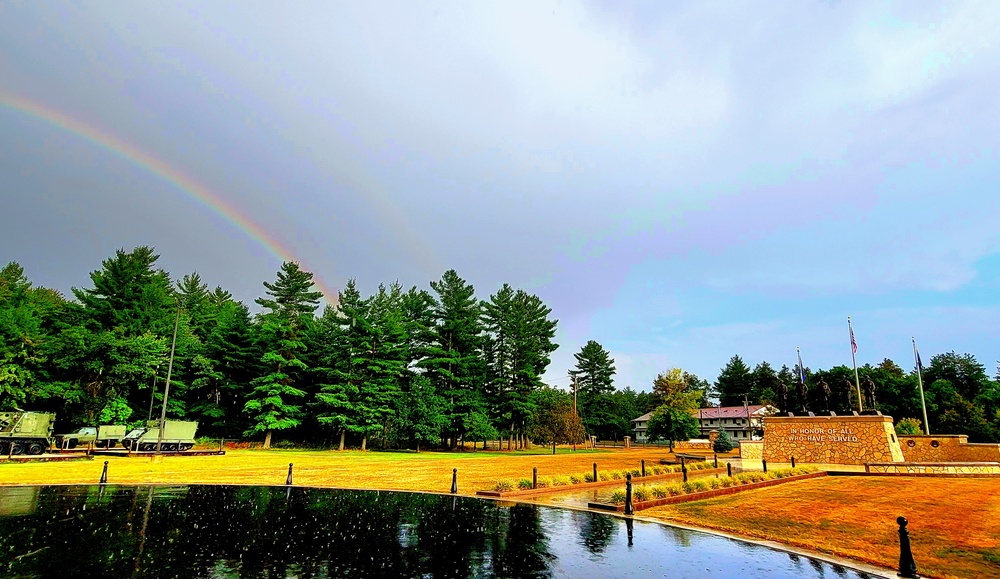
(920, 383)
(854, 358)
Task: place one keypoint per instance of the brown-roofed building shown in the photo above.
(732, 419)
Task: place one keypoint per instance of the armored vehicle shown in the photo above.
(25, 432)
(178, 435)
(104, 436)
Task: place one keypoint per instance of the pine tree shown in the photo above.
(733, 382)
(593, 375)
(454, 363)
(291, 306)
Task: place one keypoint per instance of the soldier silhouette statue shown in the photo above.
(782, 397)
(847, 395)
(870, 393)
(824, 395)
(802, 398)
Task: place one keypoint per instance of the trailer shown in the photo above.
(178, 436)
(25, 432)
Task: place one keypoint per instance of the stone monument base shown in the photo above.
(831, 439)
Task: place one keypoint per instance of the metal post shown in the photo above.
(729, 469)
(595, 472)
(152, 395)
(534, 477)
(764, 462)
(222, 441)
(643, 467)
(907, 566)
(793, 462)
(684, 470)
(715, 457)
(288, 481)
(166, 388)
(104, 474)
(857, 381)
(628, 494)
(454, 481)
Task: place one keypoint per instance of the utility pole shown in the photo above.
(166, 389)
(571, 375)
(152, 394)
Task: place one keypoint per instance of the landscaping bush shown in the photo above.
(561, 480)
(658, 491)
(714, 483)
(589, 477)
(524, 484)
(504, 485)
(618, 497)
(603, 475)
(577, 478)
(640, 493)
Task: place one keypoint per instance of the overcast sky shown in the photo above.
(681, 182)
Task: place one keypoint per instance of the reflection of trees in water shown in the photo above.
(258, 532)
(596, 531)
(518, 546)
(679, 536)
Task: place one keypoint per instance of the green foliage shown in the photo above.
(723, 442)
(672, 423)
(908, 427)
(552, 419)
(733, 382)
(116, 411)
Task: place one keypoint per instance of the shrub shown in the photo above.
(675, 489)
(640, 493)
(617, 474)
(589, 477)
(723, 442)
(618, 497)
(636, 472)
(727, 481)
(561, 480)
(658, 491)
(908, 426)
(524, 483)
(714, 483)
(698, 485)
(544, 481)
(503, 485)
(687, 487)
(603, 475)
(577, 478)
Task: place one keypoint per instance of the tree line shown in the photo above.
(400, 368)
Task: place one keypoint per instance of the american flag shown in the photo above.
(802, 369)
(854, 344)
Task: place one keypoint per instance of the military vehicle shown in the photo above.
(25, 432)
(104, 436)
(178, 435)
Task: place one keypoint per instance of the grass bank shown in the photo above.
(952, 522)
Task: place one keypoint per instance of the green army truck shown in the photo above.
(25, 432)
(178, 435)
(104, 436)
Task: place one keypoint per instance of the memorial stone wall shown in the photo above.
(831, 439)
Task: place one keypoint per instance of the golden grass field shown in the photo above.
(953, 522)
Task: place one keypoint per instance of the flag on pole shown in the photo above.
(919, 363)
(854, 344)
(802, 369)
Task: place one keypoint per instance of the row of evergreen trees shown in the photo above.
(404, 367)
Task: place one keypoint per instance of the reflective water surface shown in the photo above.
(234, 531)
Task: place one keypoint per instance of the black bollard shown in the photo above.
(104, 474)
(595, 472)
(715, 457)
(288, 481)
(684, 470)
(454, 481)
(628, 494)
(628, 527)
(729, 469)
(643, 467)
(534, 477)
(907, 566)
(793, 462)
(764, 462)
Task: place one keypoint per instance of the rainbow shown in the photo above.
(187, 185)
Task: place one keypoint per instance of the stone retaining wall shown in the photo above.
(955, 468)
(947, 448)
(751, 449)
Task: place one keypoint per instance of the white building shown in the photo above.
(732, 419)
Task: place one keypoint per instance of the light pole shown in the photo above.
(166, 388)
(152, 394)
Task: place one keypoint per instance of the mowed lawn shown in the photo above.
(954, 523)
(425, 471)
